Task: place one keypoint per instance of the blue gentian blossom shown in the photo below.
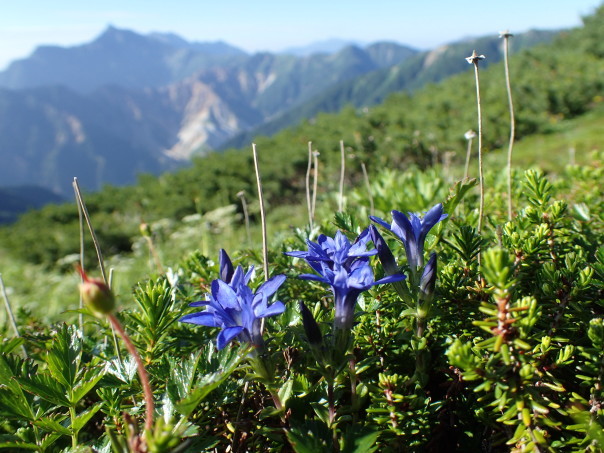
(234, 308)
(345, 267)
(412, 230)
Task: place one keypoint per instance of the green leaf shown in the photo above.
(208, 383)
(360, 440)
(285, 392)
(311, 437)
(84, 417)
(45, 387)
(53, 425)
(182, 376)
(64, 355)
(17, 444)
(457, 193)
(9, 345)
(86, 383)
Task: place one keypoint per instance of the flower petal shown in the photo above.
(201, 303)
(271, 286)
(203, 319)
(432, 217)
(313, 277)
(381, 222)
(384, 253)
(227, 335)
(226, 266)
(276, 309)
(224, 295)
(391, 279)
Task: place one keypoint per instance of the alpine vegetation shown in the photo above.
(418, 316)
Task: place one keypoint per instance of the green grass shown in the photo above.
(551, 152)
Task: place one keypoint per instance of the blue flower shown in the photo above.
(336, 250)
(345, 267)
(234, 308)
(412, 231)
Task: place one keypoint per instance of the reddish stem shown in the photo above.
(142, 372)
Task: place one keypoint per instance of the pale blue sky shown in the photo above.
(277, 24)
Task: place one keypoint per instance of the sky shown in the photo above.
(274, 25)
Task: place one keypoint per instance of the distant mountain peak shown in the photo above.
(327, 46)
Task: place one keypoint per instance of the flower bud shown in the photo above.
(96, 295)
(428, 280)
(384, 254)
(311, 328)
(145, 230)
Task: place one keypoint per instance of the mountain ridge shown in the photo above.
(110, 128)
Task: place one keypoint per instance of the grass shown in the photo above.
(551, 152)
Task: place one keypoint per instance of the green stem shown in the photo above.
(74, 433)
(353, 388)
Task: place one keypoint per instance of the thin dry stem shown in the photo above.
(10, 314)
(342, 173)
(506, 36)
(368, 185)
(81, 230)
(308, 198)
(315, 181)
(246, 216)
(474, 59)
(95, 241)
(262, 214)
(466, 171)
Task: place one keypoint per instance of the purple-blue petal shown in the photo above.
(297, 254)
(271, 286)
(432, 217)
(275, 309)
(201, 303)
(227, 335)
(224, 295)
(313, 277)
(391, 279)
(381, 222)
(202, 319)
(225, 265)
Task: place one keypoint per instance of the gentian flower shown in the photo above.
(412, 231)
(336, 250)
(345, 267)
(234, 308)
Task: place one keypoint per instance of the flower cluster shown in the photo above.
(345, 267)
(233, 306)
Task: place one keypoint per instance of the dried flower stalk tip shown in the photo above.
(96, 294)
(505, 34)
(474, 58)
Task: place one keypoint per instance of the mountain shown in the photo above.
(17, 200)
(127, 103)
(327, 46)
(119, 57)
(410, 74)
